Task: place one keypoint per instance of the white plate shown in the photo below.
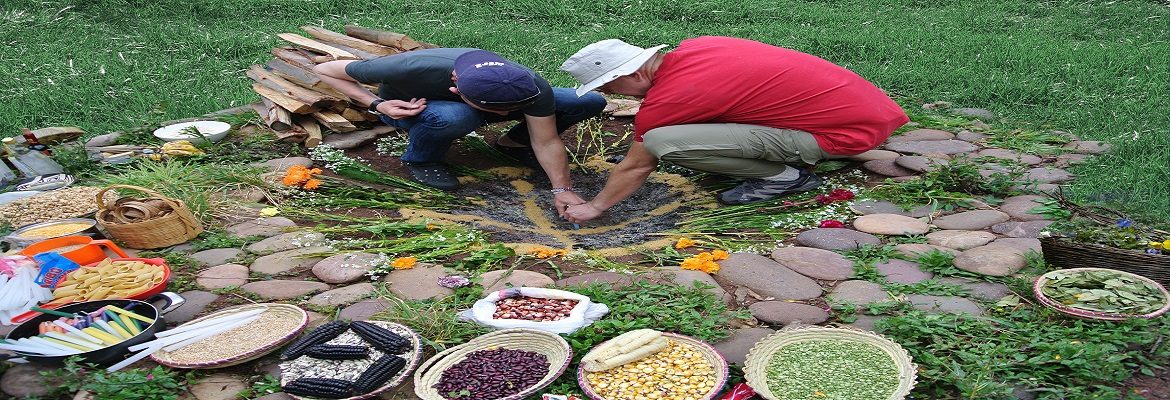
(212, 130)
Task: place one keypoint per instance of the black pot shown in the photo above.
(111, 354)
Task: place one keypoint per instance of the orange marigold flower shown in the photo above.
(312, 184)
(683, 243)
(701, 262)
(431, 227)
(547, 253)
(718, 255)
(404, 262)
(296, 175)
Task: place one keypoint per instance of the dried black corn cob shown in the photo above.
(378, 373)
(325, 388)
(337, 352)
(381, 338)
(322, 334)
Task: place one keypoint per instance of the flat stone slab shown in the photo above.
(687, 278)
(497, 280)
(1088, 146)
(866, 207)
(736, 346)
(355, 139)
(1005, 154)
(959, 239)
(1047, 175)
(978, 113)
(865, 322)
(944, 304)
(343, 295)
(363, 310)
(282, 164)
(287, 241)
(613, 279)
(858, 292)
(1068, 159)
(1028, 229)
(969, 136)
(1021, 245)
(784, 313)
(918, 249)
(835, 239)
(920, 163)
(920, 135)
(766, 277)
(265, 227)
(219, 387)
(983, 290)
(875, 155)
(284, 289)
(221, 276)
(1020, 207)
(25, 380)
(196, 304)
(814, 263)
(991, 260)
(347, 267)
(216, 256)
(902, 271)
(933, 146)
(419, 283)
(887, 167)
(288, 261)
(890, 224)
(971, 220)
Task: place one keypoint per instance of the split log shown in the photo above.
(305, 95)
(426, 45)
(290, 135)
(365, 55)
(294, 74)
(349, 41)
(335, 53)
(353, 114)
(292, 105)
(294, 57)
(334, 121)
(276, 116)
(396, 40)
(312, 131)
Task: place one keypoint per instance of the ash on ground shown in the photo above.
(622, 225)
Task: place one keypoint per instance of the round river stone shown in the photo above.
(890, 224)
(766, 277)
(933, 146)
(784, 313)
(971, 220)
(814, 263)
(921, 134)
(991, 260)
(1020, 207)
(835, 239)
(960, 239)
(887, 167)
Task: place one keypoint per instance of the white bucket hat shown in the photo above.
(604, 61)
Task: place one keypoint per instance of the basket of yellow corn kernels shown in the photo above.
(648, 364)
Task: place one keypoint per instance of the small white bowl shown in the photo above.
(214, 131)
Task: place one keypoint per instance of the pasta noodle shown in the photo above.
(108, 280)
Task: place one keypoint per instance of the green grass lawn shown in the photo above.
(1096, 69)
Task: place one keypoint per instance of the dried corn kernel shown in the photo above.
(675, 373)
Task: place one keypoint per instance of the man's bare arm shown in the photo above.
(624, 180)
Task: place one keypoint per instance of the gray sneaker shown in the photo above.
(755, 190)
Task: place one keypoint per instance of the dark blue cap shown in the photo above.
(491, 81)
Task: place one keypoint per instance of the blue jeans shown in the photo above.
(432, 131)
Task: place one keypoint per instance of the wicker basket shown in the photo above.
(178, 226)
(550, 345)
(1038, 286)
(244, 355)
(415, 356)
(1066, 254)
(718, 363)
(758, 358)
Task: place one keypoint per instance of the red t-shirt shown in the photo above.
(720, 79)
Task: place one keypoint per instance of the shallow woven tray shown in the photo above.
(1066, 254)
(1038, 285)
(718, 363)
(245, 355)
(415, 356)
(550, 345)
(756, 365)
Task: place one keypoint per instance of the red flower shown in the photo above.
(823, 199)
(841, 194)
(832, 223)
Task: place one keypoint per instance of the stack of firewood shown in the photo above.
(296, 104)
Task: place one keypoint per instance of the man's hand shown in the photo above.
(582, 212)
(398, 109)
(564, 200)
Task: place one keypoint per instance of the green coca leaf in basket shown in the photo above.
(1103, 291)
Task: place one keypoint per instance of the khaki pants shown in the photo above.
(735, 150)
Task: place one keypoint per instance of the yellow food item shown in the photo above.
(108, 280)
(678, 372)
(53, 231)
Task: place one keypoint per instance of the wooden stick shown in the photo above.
(305, 95)
(354, 115)
(294, 57)
(365, 55)
(335, 53)
(276, 116)
(426, 45)
(311, 129)
(292, 105)
(294, 74)
(392, 39)
(334, 121)
(348, 41)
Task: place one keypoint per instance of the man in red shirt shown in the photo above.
(733, 107)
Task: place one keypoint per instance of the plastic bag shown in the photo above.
(583, 314)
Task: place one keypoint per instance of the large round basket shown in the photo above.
(1038, 286)
(412, 360)
(295, 317)
(718, 363)
(550, 345)
(177, 226)
(756, 365)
